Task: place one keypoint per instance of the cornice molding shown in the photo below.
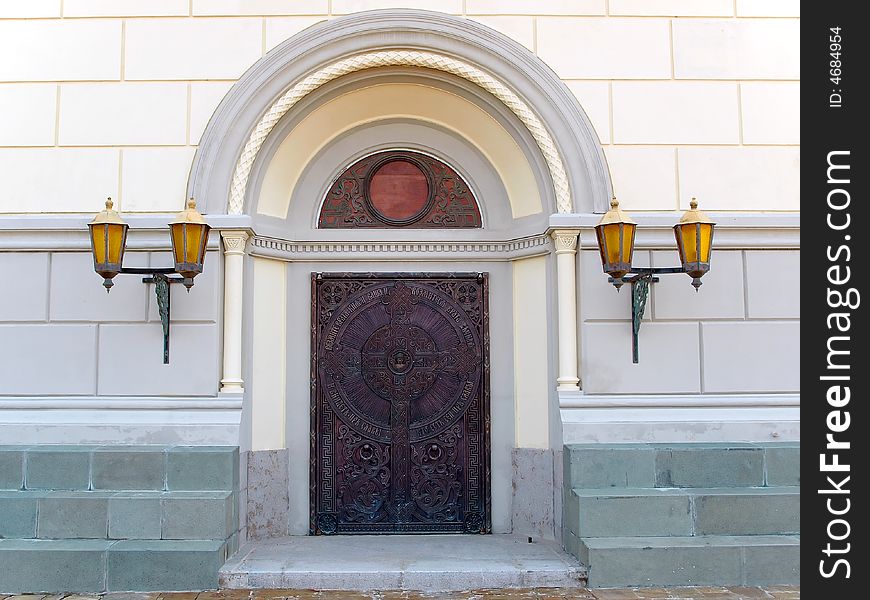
(68, 233)
(401, 250)
(579, 400)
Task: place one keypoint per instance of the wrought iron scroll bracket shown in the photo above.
(640, 281)
(161, 281)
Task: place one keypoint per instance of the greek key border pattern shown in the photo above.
(390, 58)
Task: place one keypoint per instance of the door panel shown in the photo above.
(400, 403)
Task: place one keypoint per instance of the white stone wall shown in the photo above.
(64, 336)
(738, 335)
(688, 97)
(109, 98)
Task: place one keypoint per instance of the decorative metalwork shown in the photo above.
(400, 403)
(161, 290)
(438, 197)
(640, 283)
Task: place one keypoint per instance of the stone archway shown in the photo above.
(412, 38)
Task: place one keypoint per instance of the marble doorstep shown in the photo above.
(432, 562)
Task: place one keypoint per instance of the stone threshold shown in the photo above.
(401, 562)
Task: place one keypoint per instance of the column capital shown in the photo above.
(565, 240)
(234, 241)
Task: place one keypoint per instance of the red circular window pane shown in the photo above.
(399, 191)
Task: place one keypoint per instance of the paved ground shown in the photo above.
(778, 592)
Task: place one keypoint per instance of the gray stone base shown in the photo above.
(532, 507)
(268, 501)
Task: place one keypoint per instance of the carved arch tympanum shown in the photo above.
(399, 189)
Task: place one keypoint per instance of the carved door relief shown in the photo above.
(400, 403)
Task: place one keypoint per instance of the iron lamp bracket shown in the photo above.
(640, 279)
(161, 280)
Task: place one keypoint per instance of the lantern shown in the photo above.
(615, 232)
(694, 234)
(189, 233)
(108, 238)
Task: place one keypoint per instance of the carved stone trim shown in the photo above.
(565, 240)
(234, 242)
(389, 58)
(341, 250)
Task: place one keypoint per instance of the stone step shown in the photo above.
(691, 560)
(432, 563)
(100, 514)
(613, 512)
(55, 566)
(682, 465)
(89, 467)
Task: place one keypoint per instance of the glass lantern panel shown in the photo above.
(612, 243)
(177, 232)
(688, 234)
(193, 243)
(116, 242)
(628, 241)
(98, 236)
(706, 241)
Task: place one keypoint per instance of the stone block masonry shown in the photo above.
(116, 518)
(722, 74)
(684, 514)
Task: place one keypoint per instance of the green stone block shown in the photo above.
(762, 511)
(233, 544)
(783, 464)
(134, 517)
(571, 512)
(73, 515)
(17, 515)
(631, 562)
(633, 513)
(773, 564)
(198, 516)
(53, 566)
(616, 465)
(571, 543)
(11, 467)
(129, 468)
(709, 465)
(164, 565)
(58, 468)
(203, 468)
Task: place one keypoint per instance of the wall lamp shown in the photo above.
(615, 232)
(189, 236)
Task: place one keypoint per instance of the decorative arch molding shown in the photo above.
(354, 114)
(411, 38)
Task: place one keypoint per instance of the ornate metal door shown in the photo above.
(400, 403)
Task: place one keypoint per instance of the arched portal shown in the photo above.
(447, 94)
